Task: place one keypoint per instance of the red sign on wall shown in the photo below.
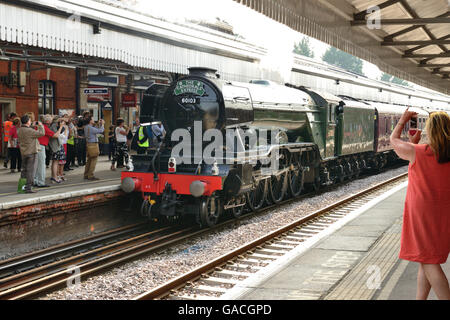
(129, 100)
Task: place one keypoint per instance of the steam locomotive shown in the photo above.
(231, 145)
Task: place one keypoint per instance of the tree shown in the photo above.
(343, 59)
(389, 78)
(304, 48)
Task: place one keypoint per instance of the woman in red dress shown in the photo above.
(426, 220)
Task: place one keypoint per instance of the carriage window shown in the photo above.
(386, 125)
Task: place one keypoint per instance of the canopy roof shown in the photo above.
(409, 39)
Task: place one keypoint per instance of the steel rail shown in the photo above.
(26, 279)
(23, 261)
(87, 266)
(180, 282)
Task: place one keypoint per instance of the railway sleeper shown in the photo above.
(270, 252)
(220, 285)
(278, 247)
(286, 242)
(261, 256)
(191, 297)
(225, 273)
(220, 281)
(208, 289)
(45, 262)
(296, 235)
(327, 222)
(323, 223)
(312, 227)
(244, 267)
(306, 231)
(302, 235)
(250, 262)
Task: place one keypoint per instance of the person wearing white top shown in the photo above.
(61, 158)
(121, 150)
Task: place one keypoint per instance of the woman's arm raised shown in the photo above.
(403, 149)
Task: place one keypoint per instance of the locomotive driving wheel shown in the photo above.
(210, 210)
(296, 177)
(239, 209)
(256, 197)
(278, 186)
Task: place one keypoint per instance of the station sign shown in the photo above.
(96, 91)
(129, 100)
(97, 94)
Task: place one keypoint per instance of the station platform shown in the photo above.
(359, 261)
(61, 212)
(74, 186)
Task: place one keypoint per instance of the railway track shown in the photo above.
(35, 274)
(216, 279)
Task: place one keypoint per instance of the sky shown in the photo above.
(253, 26)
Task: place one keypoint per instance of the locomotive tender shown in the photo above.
(265, 142)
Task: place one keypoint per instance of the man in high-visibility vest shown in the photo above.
(143, 140)
(71, 146)
(7, 125)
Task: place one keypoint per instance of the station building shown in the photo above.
(34, 87)
(44, 89)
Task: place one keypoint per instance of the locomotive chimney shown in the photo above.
(204, 72)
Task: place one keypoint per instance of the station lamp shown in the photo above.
(96, 28)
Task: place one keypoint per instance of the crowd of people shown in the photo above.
(68, 142)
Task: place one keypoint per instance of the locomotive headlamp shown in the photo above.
(172, 166)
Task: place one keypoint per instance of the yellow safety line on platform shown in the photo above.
(65, 185)
(392, 282)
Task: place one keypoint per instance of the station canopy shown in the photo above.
(409, 39)
(111, 37)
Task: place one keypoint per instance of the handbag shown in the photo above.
(12, 143)
(54, 145)
(93, 150)
(129, 135)
(21, 185)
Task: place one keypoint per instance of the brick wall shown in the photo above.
(64, 80)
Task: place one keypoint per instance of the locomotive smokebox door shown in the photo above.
(151, 102)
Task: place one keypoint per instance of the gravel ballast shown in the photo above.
(134, 278)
